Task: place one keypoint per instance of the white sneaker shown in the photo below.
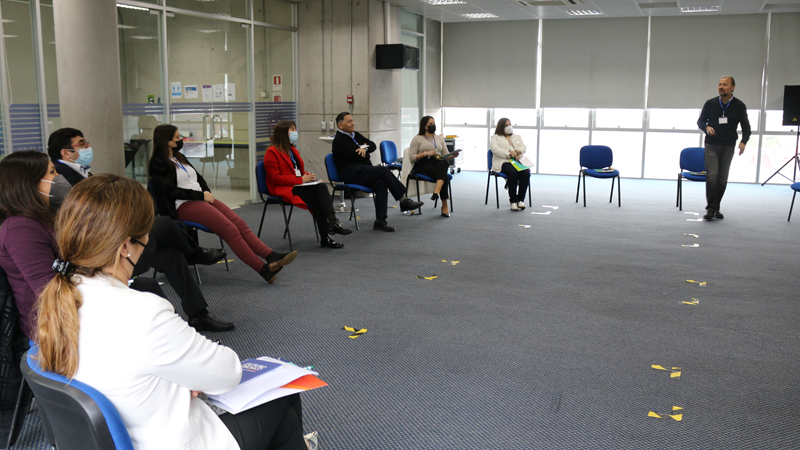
(514, 207)
(521, 205)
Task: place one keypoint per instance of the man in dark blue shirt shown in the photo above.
(719, 120)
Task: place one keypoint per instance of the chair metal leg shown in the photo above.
(584, 190)
(530, 197)
(353, 207)
(263, 213)
(197, 273)
(679, 200)
(791, 207)
(488, 179)
(450, 188)
(316, 230)
(611, 197)
(222, 246)
(619, 192)
(496, 192)
(578, 192)
(416, 180)
(286, 229)
(11, 438)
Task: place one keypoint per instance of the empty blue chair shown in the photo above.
(693, 168)
(593, 160)
(389, 156)
(795, 187)
(263, 192)
(338, 185)
(74, 415)
(503, 176)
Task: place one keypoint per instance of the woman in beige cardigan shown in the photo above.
(505, 146)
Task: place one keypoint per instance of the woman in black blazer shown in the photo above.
(183, 194)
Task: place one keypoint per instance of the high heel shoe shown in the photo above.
(330, 243)
(445, 214)
(434, 197)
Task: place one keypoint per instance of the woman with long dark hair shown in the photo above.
(185, 195)
(131, 346)
(429, 154)
(506, 146)
(287, 178)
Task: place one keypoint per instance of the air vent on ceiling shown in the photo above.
(550, 2)
(658, 5)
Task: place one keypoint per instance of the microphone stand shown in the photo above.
(795, 158)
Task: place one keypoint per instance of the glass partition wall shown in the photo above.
(222, 72)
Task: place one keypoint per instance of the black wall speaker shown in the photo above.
(396, 56)
(791, 105)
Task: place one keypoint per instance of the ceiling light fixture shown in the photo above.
(696, 9)
(445, 2)
(584, 12)
(479, 16)
(138, 8)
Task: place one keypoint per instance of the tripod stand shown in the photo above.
(795, 158)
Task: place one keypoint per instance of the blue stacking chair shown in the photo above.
(338, 185)
(389, 156)
(500, 175)
(592, 159)
(263, 192)
(795, 187)
(692, 159)
(417, 177)
(74, 415)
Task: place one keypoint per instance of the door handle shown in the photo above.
(205, 127)
(220, 126)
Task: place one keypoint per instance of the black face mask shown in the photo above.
(178, 146)
(129, 259)
(431, 129)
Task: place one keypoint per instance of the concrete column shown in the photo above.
(87, 56)
(349, 68)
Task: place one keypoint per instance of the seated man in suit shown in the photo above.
(170, 249)
(351, 152)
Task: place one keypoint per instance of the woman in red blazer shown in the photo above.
(286, 172)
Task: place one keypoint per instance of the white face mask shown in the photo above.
(508, 130)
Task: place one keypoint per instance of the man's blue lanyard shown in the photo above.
(726, 105)
(181, 166)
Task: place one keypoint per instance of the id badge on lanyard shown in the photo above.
(296, 167)
(724, 120)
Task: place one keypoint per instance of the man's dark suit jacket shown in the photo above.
(69, 173)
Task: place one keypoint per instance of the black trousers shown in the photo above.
(277, 425)
(319, 204)
(379, 179)
(518, 182)
(166, 252)
(436, 169)
(148, 285)
(718, 165)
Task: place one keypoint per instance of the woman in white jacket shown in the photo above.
(131, 346)
(506, 145)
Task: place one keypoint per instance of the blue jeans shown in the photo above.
(718, 165)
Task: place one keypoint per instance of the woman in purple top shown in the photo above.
(27, 246)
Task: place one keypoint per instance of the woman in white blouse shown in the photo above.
(429, 154)
(506, 146)
(130, 345)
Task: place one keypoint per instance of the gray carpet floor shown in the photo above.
(539, 337)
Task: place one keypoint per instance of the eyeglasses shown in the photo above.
(79, 145)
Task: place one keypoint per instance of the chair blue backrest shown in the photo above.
(693, 159)
(489, 159)
(261, 178)
(596, 156)
(78, 415)
(332, 172)
(388, 152)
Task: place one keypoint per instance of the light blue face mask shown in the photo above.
(293, 136)
(85, 156)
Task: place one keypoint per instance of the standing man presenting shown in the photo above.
(719, 120)
(351, 152)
